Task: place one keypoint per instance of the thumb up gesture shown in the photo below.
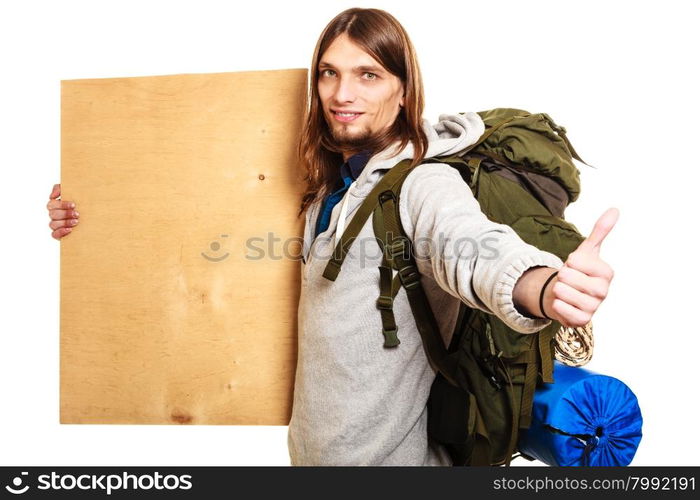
(583, 281)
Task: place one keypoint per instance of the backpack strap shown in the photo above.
(397, 255)
(541, 348)
(398, 251)
(385, 304)
(358, 221)
(545, 345)
(529, 386)
(389, 284)
(523, 417)
(544, 352)
(513, 441)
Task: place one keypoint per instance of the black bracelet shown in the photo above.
(542, 294)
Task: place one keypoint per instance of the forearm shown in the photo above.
(526, 292)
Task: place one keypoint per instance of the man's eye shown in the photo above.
(327, 72)
(370, 76)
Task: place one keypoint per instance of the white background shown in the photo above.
(619, 75)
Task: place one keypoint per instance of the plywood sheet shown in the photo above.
(178, 302)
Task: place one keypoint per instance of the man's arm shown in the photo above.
(465, 253)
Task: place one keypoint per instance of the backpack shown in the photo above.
(522, 174)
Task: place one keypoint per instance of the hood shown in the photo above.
(451, 134)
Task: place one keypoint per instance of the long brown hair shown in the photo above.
(381, 36)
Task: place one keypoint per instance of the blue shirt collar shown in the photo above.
(355, 164)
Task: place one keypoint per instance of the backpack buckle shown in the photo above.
(495, 383)
(390, 338)
(396, 247)
(384, 302)
(399, 246)
(488, 367)
(385, 196)
(409, 276)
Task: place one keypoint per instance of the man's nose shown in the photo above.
(345, 90)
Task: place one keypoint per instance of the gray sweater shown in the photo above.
(356, 402)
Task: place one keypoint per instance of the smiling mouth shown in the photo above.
(345, 117)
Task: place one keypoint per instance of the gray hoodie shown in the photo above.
(355, 401)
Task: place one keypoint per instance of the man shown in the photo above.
(355, 402)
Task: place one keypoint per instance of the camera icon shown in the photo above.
(17, 482)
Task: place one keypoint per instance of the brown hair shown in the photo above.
(381, 36)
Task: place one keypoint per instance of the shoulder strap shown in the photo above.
(358, 221)
(398, 253)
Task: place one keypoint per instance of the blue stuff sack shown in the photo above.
(583, 419)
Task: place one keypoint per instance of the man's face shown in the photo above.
(359, 97)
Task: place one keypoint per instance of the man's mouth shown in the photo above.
(345, 116)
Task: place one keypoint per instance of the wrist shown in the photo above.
(527, 290)
(547, 297)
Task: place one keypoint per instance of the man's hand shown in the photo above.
(63, 217)
(583, 281)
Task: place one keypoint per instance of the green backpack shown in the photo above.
(522, 174)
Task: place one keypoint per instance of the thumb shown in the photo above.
(601, 229)
(55, 192)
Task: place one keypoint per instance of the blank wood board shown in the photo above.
(180, 285)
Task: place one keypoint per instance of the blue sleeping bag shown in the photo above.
(583, 418)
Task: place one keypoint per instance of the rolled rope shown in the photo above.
(573, 346)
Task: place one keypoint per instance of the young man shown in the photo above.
(355, 402)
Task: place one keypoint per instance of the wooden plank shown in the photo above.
(168, 312)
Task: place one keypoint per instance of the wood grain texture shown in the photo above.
(170, 312)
